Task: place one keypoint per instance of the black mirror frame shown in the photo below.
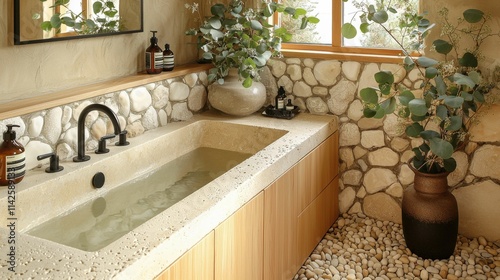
(17, 29)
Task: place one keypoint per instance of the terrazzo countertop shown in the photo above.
(150, 248)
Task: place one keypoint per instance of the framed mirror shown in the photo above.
(38, 21)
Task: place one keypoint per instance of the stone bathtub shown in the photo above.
(145, 251)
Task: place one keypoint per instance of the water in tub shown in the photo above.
(98, 223)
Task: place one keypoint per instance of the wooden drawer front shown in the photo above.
(239, 243)
(195, 264)
(316, 219)
(316, 170)
(280, 229)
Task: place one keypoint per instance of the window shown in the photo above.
(326, 36)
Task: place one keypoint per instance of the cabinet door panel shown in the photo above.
(239, 243)
(316, 219)
(316, 170)
(280, 229)
(195, 264)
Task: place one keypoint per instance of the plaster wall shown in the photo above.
(31, 70)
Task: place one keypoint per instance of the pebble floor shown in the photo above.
(358, 247)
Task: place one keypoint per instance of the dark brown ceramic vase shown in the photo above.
(430, 216)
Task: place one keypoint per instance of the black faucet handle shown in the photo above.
(122, 139)
(54, 162)
(101, 149)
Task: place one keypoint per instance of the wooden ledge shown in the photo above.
(47, 101)
(373, 58)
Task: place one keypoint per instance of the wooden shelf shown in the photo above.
(47, 101)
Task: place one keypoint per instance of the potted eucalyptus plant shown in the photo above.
(239, 40)
(439, 111)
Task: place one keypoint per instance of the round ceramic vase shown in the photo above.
(234, 99)
(430, 216)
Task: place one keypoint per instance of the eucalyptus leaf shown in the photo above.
(426, 62)
(405, 97)
(478, 97)
(380, 113)
(349, 31)
(431, 72)
(215, 22)
(55, 21)
(256, 25)
(461, 79)
(218, 10)
(216, 33)
(414, 130)
(380, 16)
(473, 15)
(468, 60)
(455, 123)
(475, 76)
(442, 46)
(418, 107)
(369, 113)
(441, 86)
(384, 77)
(429, 134)
(453, 101)
(442, 112)
(389, 105)
(466, 96)
(364, 27)
(450, 164)
(408, 64)
(97, 7)
(369, 95)
(441, 148)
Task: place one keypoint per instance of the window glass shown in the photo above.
(321, 33)
(377, 37)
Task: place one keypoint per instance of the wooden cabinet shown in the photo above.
(239, 247)
(316, 170)
(271, 236)
(298, 210)
(316, 219)
(195, 264)
(280, 229)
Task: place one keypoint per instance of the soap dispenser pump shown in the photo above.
(154, 56)
(12, 158)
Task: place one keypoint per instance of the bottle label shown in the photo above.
(157, 62)
(16, 165)
(281, 104)
(168, 61)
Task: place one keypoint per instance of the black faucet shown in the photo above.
(81, 127)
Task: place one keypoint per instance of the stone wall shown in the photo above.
(138, 109)
(374, 152)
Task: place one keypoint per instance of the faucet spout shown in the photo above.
(81, 127)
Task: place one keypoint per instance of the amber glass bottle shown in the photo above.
(154, 56)
(168, 59)
(12, 158)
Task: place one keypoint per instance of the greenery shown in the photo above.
(104, 18)
(238, 37)
(301, 35)
(441, 109)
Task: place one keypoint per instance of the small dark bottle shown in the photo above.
(168, 59)
(12, 158)
(280, 99)
(154, 56)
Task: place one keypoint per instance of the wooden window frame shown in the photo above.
(336, 50)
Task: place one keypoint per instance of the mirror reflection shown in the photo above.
(50, 20)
